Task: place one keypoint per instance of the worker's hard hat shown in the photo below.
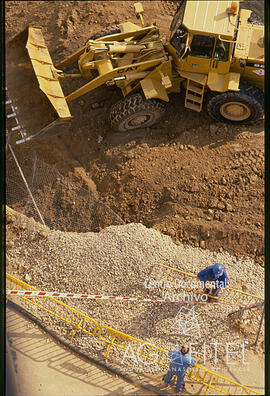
(218, 269)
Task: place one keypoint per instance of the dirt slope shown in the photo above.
(200, 182)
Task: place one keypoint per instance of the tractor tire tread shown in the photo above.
(133, 104)
(249, 93)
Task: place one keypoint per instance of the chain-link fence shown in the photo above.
(38, 190)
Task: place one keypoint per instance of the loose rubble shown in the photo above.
(118, 261)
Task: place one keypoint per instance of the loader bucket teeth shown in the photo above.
(33, 86)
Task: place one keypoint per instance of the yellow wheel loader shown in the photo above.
(213, 53)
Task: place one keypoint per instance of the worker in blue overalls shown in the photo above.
(216, 274)
(181, 360)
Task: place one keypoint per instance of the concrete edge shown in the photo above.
(11, 385)
(108, 367)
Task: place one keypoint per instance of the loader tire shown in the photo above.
(135, 112)
(244, 107)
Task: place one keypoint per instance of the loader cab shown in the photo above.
(201, 35)
(207, 53)
(199, 53)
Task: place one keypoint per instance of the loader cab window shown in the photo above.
(222, 51)
(179, 40)
(202, 46)
(178, 18)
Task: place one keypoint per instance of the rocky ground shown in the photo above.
(199, 181)
(118, 261)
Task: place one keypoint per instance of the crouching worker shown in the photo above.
(181, 360)
(216, 274)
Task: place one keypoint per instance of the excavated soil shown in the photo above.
(199, 181)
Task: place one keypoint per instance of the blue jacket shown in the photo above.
(180, 362)
(207, 274)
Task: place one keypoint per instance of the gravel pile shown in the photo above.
(117, 261)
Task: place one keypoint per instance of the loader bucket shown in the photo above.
(33, 86)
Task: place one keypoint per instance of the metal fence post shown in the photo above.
(260, 327)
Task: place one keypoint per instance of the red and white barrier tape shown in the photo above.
(76, 295)
(99, 297)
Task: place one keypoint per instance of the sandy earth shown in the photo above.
(45, 368)
(128, 255)
(198, 181)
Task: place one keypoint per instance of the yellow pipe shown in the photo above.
(117, 72)
(121, 49)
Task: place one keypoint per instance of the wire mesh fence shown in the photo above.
(62, 203)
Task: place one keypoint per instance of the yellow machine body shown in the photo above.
(214, 45)
(210, 45)
(33, 85)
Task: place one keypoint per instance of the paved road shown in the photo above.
(11, 382)
(44, 368)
